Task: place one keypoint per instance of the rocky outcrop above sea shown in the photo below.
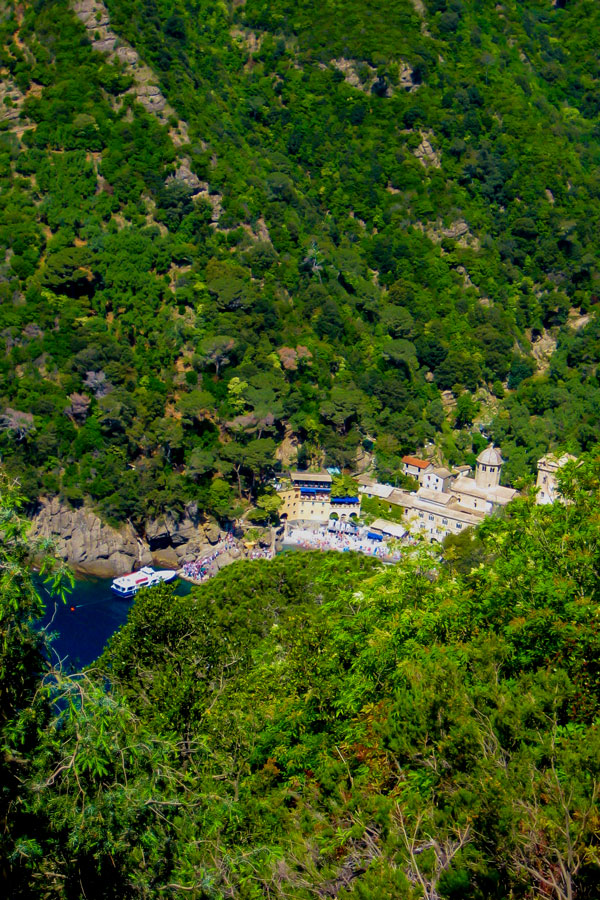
(173, 541)
(92, 547)
(86, 542)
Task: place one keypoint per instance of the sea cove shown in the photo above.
(87, 620)
(300, 303)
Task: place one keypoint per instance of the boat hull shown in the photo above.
(128, 585)
(131, 592)
(167, 575)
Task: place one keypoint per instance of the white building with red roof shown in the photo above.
(417, 468)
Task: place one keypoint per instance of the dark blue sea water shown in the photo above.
(91, 615)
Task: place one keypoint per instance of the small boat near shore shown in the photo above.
(129, 585)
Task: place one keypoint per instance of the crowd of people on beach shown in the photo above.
(343, 537)
(323, 539)
(260, 553)
(201, 569)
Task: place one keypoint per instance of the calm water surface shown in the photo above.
(91, 615)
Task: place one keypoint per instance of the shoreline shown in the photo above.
(224, 554)
(386, 558)
(321, 539)
(227, 552)
(307, 548)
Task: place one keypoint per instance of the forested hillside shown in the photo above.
(236, 231)
(321, 727)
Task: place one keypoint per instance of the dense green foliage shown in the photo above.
(321, 726)
(379, 241)
(349, 208)
(24, 709)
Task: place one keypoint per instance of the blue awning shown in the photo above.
(308, 491)
(344, 499)
(374, 536)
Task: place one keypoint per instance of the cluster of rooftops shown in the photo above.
(445, 502)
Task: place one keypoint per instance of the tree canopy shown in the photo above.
(261, 229)
(321, 725)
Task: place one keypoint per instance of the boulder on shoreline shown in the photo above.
(92, 547)
(87, 543)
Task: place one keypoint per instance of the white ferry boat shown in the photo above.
(128, 585)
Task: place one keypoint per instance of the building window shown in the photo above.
(458, 525)
(420, 515)
(431, 518)
(444, 521)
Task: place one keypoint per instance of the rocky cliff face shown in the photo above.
(175, 541)
(88, 544)
(92, 547)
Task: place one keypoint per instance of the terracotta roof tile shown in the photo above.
(415, 461)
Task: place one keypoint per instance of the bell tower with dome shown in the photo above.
(484, 493)
(489, 466)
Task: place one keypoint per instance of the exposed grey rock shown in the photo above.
(456, 230)
(186, 176)
(10, 340)
(92, 547)
(96, 382)
(9, 114)
(172, 532)
(88, 544)
(166, 558)
(157, 534)
(222, 561)
(19, 423)
(212, 532)
(405, 77)
(150, 97)
(425, 152)
(105, 44)
(79, 407)
(127, 55)
(95, 17)
(92, 14)
(32, 331)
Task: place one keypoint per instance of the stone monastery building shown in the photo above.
(547, 482)
(309, 499)
(445, 503)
